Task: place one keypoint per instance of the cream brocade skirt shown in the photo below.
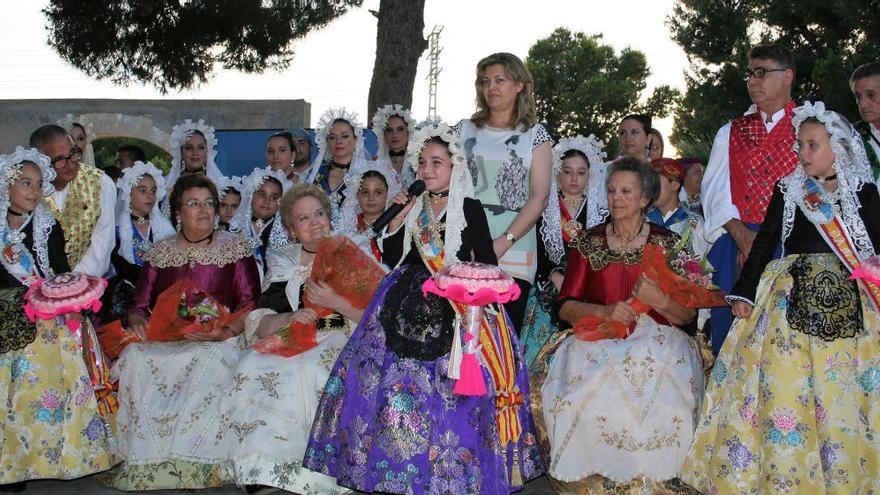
(624, 409)
(266, 419)
(169, 410)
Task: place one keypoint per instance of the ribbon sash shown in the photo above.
(496, 351)
(840, 241)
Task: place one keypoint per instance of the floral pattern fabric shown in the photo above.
(622, 408)
(50, 426)
(169, 409)
(393, 424)
(266, 419)
(789, 412)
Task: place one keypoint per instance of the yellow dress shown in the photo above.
(788, 412)
(50, 426)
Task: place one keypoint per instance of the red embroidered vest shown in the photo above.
(758, 160)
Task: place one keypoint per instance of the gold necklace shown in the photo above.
(625, 241)
(572, 204)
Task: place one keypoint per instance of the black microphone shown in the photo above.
(415, 189)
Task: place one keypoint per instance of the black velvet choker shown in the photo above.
(395, 154)
(339, 165)
(14, 213)
(437, 195)
(139, 220)
(822, 180)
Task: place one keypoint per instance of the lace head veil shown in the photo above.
(41, 217)
(851, 167)
(591, 147)
(160, 226)
(180, 134)
(461, 185)
(278, 236)
(88, 154)
(380, 122)
(347, 222)
(358, 159)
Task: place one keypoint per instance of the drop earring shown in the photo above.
(179, 225)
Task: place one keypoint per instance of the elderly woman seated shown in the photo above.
(170, 392)
(620, 413)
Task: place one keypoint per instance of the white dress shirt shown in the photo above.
(718, 207)
(96, 259)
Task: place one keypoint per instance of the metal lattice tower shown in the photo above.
(434, 69)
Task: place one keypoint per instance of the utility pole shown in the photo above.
(434, 70)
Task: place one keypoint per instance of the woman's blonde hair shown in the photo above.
(524, 111)
(298, 192)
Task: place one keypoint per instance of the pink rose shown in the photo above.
(785, 422)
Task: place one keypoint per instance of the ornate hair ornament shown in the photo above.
(234, 182)
(380, 123)
(430, 129)
(249, 185)
(181, 134)
(851, 167)
(68, 123)
(10, 166)
(590, 146)
(849, 151)
(132, 176)
(323, 130)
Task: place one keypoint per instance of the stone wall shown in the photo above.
(150, 120)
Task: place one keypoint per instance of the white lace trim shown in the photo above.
(241, 222)
(591, 147)
(180, 134)
(346, 222)
(234, 182)
(853, 171)
(461, 186)
(41, 217)
(160, 226)
(380, 122)
(358, 159)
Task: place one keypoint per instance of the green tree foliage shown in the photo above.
(583, 87)
(177, 44)
(829, 38)
(105, 152)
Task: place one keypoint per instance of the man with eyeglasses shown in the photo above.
(865, 86)
(748, 156)
(83, 201)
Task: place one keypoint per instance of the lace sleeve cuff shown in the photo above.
(730, 298)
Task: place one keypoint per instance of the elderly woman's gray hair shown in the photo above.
(649, 182)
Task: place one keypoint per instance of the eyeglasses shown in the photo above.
(194, 204)
(62, 160)
(760, 72)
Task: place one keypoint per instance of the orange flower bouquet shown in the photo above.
(180, 309)
(342, 265)
(683, 276)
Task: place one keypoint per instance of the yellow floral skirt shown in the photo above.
(49, 421)
(787, 411)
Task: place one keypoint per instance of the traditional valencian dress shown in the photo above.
(619, 413)
(265, 422)
(793, 403)
(127, 257)
(170, 392)
(388, 419)
(50, 423)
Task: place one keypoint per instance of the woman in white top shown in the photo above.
(509, 157)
